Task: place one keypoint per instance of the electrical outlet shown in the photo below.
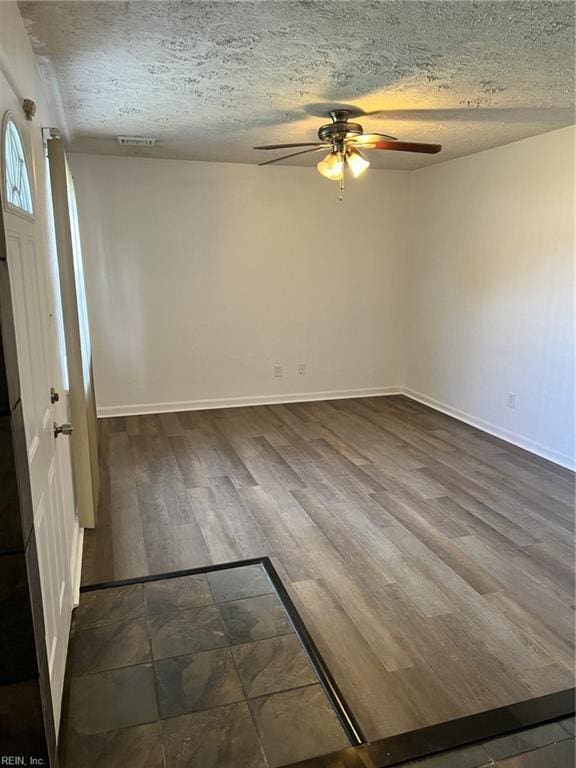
(278, 373)
(511, 400)
(302, 368)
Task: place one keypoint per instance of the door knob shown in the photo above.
(63, 429)
(54, 396)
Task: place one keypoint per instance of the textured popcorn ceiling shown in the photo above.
(211, 79)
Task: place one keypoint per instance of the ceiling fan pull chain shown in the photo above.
(341, 190)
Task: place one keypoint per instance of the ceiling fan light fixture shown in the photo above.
(356, 161)
(344, 139)
(332, 166)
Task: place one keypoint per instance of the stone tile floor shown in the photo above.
(201, 671)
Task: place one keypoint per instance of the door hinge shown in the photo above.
(29, 107)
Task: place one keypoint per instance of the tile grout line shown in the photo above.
(152, 661)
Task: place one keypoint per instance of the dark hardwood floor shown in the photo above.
(432, 563)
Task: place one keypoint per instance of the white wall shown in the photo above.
(202, 276)
(491, 291)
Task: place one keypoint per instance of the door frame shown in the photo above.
(81, 389)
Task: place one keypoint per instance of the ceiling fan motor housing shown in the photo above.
(339, 129)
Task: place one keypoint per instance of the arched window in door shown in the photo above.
(17, 189)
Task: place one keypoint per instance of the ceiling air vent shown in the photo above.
(136, 141)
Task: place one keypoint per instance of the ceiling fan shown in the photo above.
(346, 140)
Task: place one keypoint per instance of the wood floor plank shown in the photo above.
(237, 519)
(191, 467)
(222, 546)
(433, 563)
(561, 650)
(534, 596)
(437, 643)
(126, 526)
(353, 661)
(467, 568)
(171, 424)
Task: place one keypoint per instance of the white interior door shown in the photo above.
(41, 368)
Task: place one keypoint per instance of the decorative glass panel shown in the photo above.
(16, 182)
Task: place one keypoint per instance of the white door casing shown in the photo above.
(41, 368)
(76, 332)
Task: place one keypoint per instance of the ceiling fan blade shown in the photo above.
(405, 146)
(289, 146)
(475, 114)
(368, 138)
(457, 113)
(285, 157)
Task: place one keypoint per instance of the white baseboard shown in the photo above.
(76, 568)
(492, 429)
(238, 402)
